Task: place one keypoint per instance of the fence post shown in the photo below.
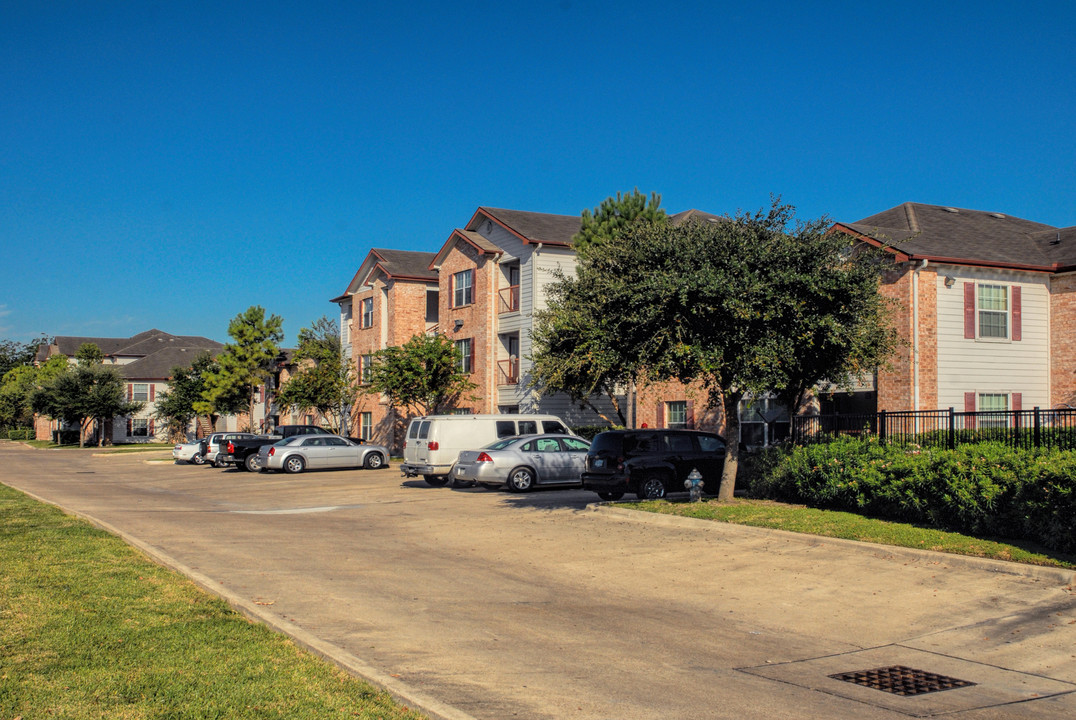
(1037, 433)
(952, 429)
(881, 426)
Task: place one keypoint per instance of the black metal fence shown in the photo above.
(946, 428)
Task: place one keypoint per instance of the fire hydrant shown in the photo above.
(694, 484)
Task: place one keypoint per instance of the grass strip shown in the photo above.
(89, 628)
(849, 526)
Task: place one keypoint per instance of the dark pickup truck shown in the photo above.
(244, 453)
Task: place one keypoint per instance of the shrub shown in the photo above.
(21, 434)
(587, 432)
(983, 488)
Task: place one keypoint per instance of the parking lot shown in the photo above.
(487, 604)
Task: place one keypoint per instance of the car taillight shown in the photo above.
(620, 464)
(231, 447)
(272, 450)
(433, 445)
(483, 457)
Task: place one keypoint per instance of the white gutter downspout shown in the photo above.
(915, 334)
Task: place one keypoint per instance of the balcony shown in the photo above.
(509, 371)
(509, 299)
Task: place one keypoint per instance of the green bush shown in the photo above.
(982, 489)
(21, 434)
(587, 432)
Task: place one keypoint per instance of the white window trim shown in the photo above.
(979, 337)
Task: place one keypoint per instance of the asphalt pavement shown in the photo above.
(470, 603)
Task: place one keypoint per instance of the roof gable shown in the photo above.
(530, 227)
(395, 264)
(468, 237)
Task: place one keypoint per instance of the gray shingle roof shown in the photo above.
(406, 263)
(973, 236)
(536, 227)
(157, 352)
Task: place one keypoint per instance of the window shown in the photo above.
(709, 444)
(366, 364)
(574, 444)
(528, 427)
(463, 288)
(366, 425)
(506, 428)
(466, 350)
(366, 319)
(552, 426)
(676, 415)
(679, 443)
(993, 311)
(139, 427)
(993, 402)
(140, 392)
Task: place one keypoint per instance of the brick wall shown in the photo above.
(1063, 340)
(477, 318)
(650, 403)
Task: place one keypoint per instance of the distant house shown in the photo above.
(986, 304)
(145, 362)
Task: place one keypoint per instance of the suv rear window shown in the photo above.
(607, 442)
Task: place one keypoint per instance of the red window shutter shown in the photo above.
(969, 406)
(969, 311)
(660, 422)
(152, 391)
(151, 433)
(1017, 313)
(689, 415)
(1017, 400)
(130, 394)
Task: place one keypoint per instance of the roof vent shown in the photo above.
(950, 210)
(999, 216)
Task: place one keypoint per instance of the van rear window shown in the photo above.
(424, 430)
(412, 432)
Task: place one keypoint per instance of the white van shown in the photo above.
(434, 442)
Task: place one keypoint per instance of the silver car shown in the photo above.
(524, 462)
(319, 452)
(190, 452)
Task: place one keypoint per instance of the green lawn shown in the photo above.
(89, 628)
(830, 523)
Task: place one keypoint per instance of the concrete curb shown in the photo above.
(399, 690)
(929, 557)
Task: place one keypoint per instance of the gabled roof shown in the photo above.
(972, 237)
(157, 352)
(470, 237)
(682, 217)
(159, 365)
(395, 264)
(530, 227)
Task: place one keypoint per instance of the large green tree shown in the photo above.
(248, 361)
(324, 380)
(82, 394)
(754, 304)
(423, 375)
(176, 406)
(615, 215)
(19, 383)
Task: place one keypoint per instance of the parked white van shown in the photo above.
(434, 442)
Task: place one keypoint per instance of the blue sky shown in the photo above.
(170, 164)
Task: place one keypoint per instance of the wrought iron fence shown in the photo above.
(946, 428)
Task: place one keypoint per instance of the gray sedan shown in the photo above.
(320, 452)
(191, 452)
(524, 462)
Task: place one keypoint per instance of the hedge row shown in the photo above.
(21, 434)
(981, 489)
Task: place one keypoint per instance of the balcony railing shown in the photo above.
(509, 299)
(509, 371)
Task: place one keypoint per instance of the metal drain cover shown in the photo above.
(901, 680)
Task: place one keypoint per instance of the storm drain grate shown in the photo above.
(901, 680)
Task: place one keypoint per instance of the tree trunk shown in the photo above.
(732, 446)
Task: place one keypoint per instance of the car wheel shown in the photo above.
(197, 459)
(294, 464)
(521, 479)
(217, 463)
(651, 487)
(251, 463)
(373, 461)
(612, 495)
(435, 480)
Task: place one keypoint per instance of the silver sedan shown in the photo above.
(320, 452)
(191, 452)
(524, 462)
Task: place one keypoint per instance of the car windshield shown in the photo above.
(501, 444)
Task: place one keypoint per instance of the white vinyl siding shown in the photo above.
(993, 365)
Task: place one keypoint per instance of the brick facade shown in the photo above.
(896, 383)
(1063, 340)
(476, 320)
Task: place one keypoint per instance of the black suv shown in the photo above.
(651, 463)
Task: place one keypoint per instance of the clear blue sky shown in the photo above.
(170, 164)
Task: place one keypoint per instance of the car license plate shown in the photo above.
(599, 462)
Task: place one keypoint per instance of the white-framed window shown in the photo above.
(139, 427)
(140, 392)
(366, 425)
(676, 415)
(466, 348)
(463, 288)
(366, 318)
(993, 402)
(366, 364)
(993, 310)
